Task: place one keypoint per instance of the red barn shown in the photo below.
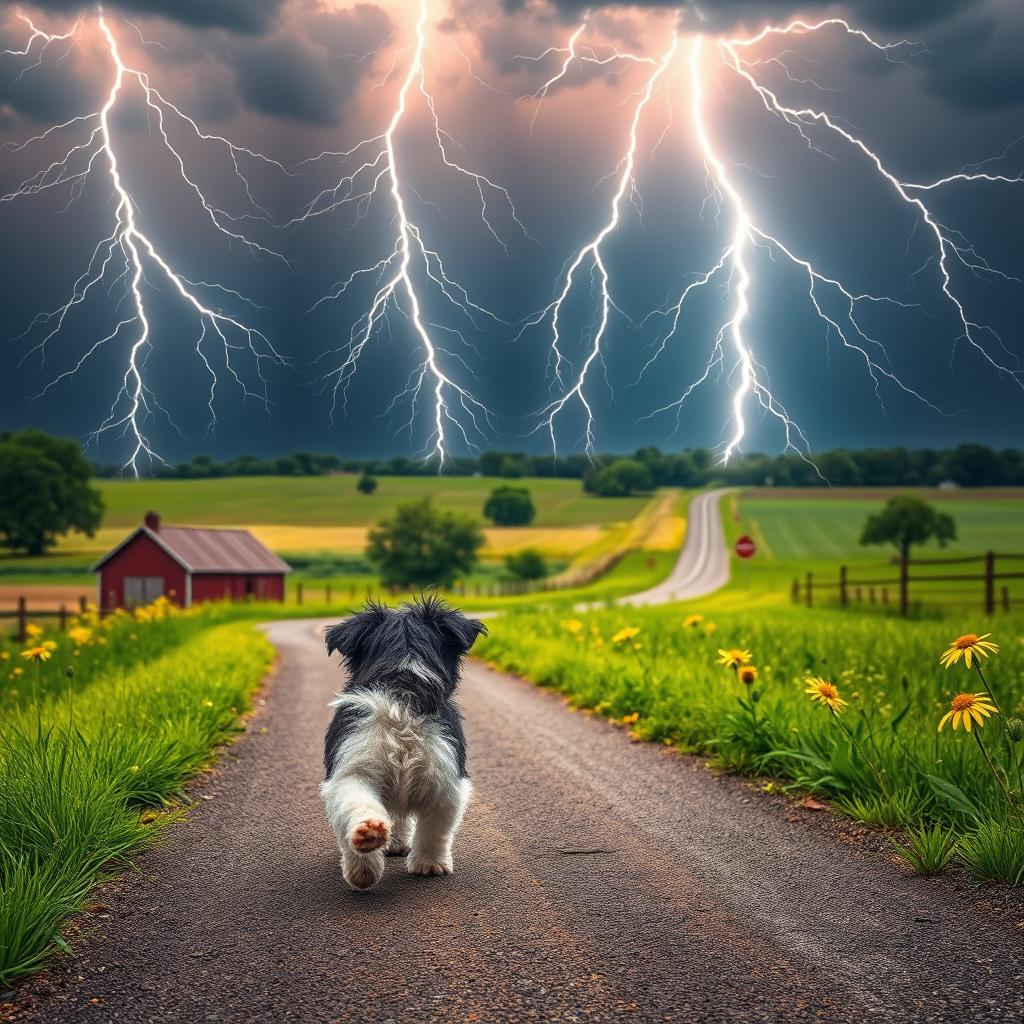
(188, 565)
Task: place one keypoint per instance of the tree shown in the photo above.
(528, 564)
(621, 478)
(44, 491)
(510, 506)
(366, 484)
(905, 521)
(423, 546)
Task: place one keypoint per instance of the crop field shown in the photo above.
(99, 727)
(879, 759)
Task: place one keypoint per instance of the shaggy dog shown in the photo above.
(395, 752)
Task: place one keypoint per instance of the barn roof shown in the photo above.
(208, 549)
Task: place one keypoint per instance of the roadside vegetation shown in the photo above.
(840, 705)
(99, 728)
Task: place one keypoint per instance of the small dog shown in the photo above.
(395, 752)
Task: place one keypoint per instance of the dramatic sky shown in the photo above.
(523, 182)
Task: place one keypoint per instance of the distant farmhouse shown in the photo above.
(188, 565)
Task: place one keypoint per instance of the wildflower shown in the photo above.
(734, 657)
(710, 628)
(624, 634)
(134, 769)
(573, 626)
(17, 671)
(50, 645)
(967, 708)
(631, 719)
(4, 656)
(1015, 729)
(967, 646)
(825, 693)
(747, 674)
(692, 621)
(37, 654)
(80, 635)
(33, 632)
(207, 703)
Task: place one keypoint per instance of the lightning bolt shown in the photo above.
(413, 272)
(733, 352)
(121, 259)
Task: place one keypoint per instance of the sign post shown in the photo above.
(745, 548)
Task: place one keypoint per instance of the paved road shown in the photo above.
(703, 564)
(596, 880)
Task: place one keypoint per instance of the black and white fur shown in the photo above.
(395, 752)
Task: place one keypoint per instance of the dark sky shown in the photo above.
(292, 78)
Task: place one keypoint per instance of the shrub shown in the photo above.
(528, 564)
(366, 484)
(510, 506)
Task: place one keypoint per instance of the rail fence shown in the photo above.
(853, 589)
(23, 614)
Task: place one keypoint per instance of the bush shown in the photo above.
(423, 546)
(622, 478)
(510, 506)
(528, 564)
(366, 484)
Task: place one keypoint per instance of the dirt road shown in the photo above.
(596, 880)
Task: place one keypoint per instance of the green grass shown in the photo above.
(892, 768)
(334, 500)
(88, 762)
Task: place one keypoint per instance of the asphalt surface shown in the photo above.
(595, 880)
(703, 564)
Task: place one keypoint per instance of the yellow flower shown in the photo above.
(747, 674)
(4, 656)
(710, 628)
(692, 621)
(825, 693)
(967, 646)
(573, 626)
(624, 634)
(17, 671)
(80, 635)
(134, 769)
(631, 719)
(207, 703)
(37, 654)
(734, 657)
(33, 632)
(967, 708)
(50, 645)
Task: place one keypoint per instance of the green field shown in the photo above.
(334, 500)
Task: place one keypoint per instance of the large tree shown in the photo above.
(423, 546)
(44, 491)
(905, 521)
(510, 506)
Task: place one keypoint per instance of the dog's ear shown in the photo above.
(349, 637)
(458, 633)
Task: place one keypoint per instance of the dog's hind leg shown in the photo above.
(436, 826)
(362, 827)
(401, 835)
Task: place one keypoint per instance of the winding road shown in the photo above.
(595, 880)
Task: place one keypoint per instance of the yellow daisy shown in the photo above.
(966, 708)
(624, 634)
(734, 657)
(692, 621)
(967, 646)
(747, 674)
(825, 693)
(573, 626)
(37, 654)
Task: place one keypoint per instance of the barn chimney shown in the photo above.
(152, 521)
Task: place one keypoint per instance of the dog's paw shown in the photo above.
(362, 872)
(396, 849)
(427, 867)
(370, 835)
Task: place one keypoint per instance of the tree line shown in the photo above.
(968, 465)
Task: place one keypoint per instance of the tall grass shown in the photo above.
(85, 758)
(883, 760)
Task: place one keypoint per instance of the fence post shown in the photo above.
(843, 596)
(871, 595)
(795, 592)
(1006, 598)
(62, 618)
(22, 620)
(990, 582)
(859, 595)
(298, 592)
(885, 595)
(83, 603)
(809, 585)
(904, 585)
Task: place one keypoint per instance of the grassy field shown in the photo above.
(96, 739)
(327, 517)
(882, 760)
(816, 531)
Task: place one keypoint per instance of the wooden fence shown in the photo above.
(852, 589)
(23, 614)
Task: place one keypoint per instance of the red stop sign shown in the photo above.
(745, 547)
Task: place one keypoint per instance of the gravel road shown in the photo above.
(596, 880)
